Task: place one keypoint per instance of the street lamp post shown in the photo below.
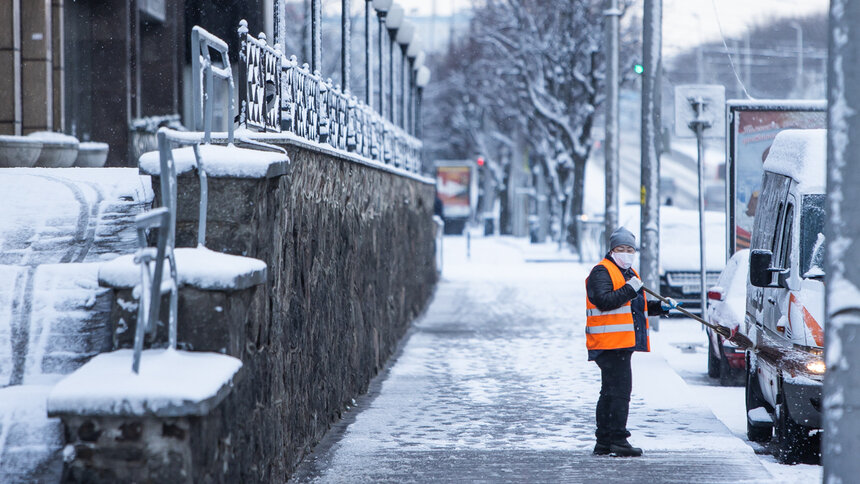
(368, 55)
(394, 22)
(316, 36)
(381, 7)
(412, 53)
(344, 45)
(422, 77)
(405, 37)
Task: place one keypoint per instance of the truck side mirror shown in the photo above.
(760, 273)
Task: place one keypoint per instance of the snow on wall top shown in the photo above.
(198, 267)
(800, 154)
(221, 161)
(170, 384)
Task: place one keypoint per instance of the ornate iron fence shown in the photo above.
(316, 110)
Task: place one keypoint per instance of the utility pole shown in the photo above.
(610, 142)
(840, 446)
(649, 261)
(368, 55)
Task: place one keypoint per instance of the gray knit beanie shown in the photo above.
(622, 236)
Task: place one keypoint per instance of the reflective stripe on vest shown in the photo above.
(612, 329)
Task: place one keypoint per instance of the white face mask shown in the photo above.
(623, 259)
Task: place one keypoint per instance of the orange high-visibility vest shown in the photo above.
(613, 329)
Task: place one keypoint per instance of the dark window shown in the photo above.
(785, 245)
(812, 219)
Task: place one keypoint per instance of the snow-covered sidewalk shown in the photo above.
(493, 385)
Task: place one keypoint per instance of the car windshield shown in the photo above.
(812, 236)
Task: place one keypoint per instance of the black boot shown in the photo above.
(602, 448)
(622, 448)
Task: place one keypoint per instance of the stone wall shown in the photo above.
(350, 255)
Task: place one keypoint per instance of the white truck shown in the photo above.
(785, 297)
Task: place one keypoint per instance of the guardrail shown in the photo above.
(314, 109)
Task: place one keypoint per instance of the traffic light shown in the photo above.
(638, 68)
(480, 161)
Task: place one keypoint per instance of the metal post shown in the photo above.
(381, 67)
(419, 129)
(610, 144)
(306, 32)
(404, 78)
(316, 36)
(344, 45)
(650, 155)
(368, 55)
(799, 77)
(699, 126)
(840, 446)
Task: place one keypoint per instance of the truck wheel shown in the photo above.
(713, 361)
(754, 399)
(793, 442)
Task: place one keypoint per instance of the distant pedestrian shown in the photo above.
(616, 326)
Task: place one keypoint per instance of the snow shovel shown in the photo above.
(738, 338)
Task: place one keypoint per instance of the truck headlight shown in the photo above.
(816, 367)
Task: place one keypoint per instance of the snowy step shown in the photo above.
(53, 318)
(171, 383)
(30, 442)
(197, 267)
(54, 215)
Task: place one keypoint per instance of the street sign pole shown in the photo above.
(699, 125)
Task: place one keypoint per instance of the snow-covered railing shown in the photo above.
(151, 282)
(202, 65)
(316, 110)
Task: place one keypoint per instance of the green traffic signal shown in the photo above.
(638, 68)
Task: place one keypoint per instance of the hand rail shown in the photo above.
(202, 45)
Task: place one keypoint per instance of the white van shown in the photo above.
(785, 297)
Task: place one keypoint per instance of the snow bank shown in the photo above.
(800, 154)
(54, 138)
(221, 161)
(198, 267)
(170, 383)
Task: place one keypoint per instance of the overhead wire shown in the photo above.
(726, 47)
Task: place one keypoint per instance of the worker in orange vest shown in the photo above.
(616, 326)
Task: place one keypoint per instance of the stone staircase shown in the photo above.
(55, 228)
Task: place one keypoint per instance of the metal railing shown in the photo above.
(203, 66)
(316, 110)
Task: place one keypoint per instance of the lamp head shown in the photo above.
(406, 33)
(382, 6)
(422, 77)
(394, 20)
(414, 47)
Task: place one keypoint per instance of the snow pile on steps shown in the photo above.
(171, 383)
(221, 161)
(198, 267)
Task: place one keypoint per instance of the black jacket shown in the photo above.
(601, 293)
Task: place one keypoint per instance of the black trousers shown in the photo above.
(616, 383)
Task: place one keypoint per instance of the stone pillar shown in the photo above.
(10, 65)
(36, 68)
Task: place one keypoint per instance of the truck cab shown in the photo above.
(785, 296)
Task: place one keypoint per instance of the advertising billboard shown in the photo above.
(751, 129)
(453, 185)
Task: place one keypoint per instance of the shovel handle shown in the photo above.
(722, 330)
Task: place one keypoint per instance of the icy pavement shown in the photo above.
(492, 385)
(55, 225)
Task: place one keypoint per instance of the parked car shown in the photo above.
(726, 307)
(785, 297)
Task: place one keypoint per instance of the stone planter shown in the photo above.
(58, 150)
(92, 155)
(19, 151)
